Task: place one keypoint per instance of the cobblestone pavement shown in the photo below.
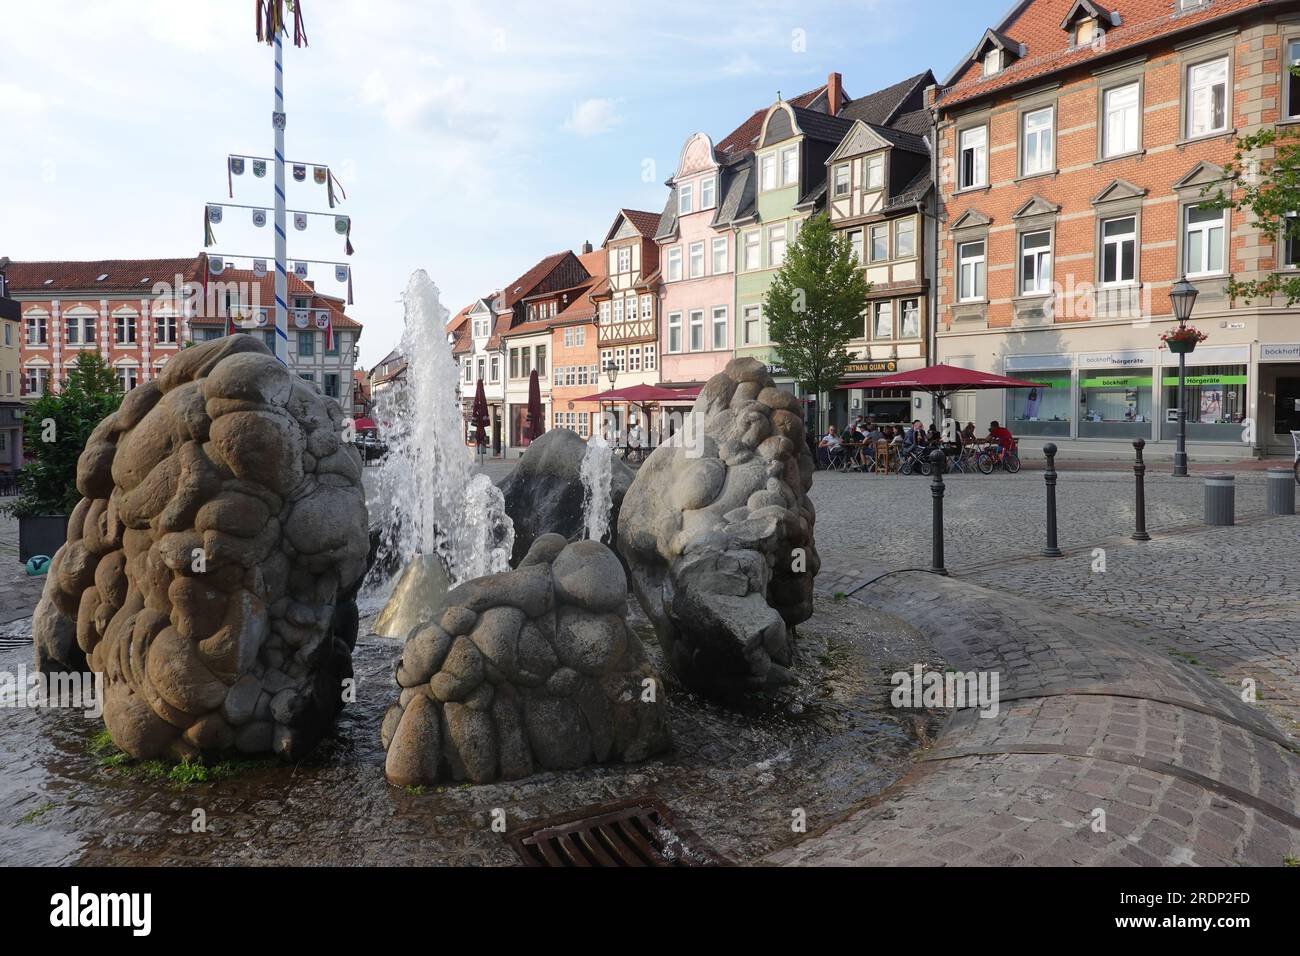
(1103, 752)
(18, 592)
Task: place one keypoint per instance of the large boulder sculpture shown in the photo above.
(544, 491)
(717, 529)
(210, 570)
(529, 670)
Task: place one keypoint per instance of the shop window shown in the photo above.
(1216, 402)
(1040, 411)
(1115, 403)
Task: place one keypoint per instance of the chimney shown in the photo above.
(834, 94)
(931, 94)
(586, 247)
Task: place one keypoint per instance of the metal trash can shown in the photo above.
(1220, 499)
(1281, 491)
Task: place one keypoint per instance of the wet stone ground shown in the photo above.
(736, 780)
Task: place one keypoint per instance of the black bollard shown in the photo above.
(938, 465)
(1049, 476)
(1139, 474)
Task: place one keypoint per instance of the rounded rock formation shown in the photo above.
(210, 570)
(529, 670)
(717, 530)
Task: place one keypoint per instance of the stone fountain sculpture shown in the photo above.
(528, 670)
(717, 529)
(210, 570)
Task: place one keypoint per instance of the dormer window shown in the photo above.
(1085, 32)
(992, 61)
(1087, 22)
(875, 175)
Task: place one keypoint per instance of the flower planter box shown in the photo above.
(1183, 347)
(41, 534)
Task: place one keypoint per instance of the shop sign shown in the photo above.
(869, 368)
(1116, 381)
(1131, 359)
(1280, 352)
(1194, 380)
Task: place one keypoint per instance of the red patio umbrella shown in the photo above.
(536, 421)
(479, 415)
(943, 380)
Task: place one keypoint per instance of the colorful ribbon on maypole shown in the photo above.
(270, 21)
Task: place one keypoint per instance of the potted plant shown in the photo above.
(1182, 339)
(55, 429)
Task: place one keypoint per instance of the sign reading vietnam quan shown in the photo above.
(869, 368)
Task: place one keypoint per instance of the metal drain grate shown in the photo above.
(637, 832)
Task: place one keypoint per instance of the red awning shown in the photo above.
(943, 379)
(640, 394)
(363, 424)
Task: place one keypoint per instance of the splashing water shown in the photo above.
(596, 474)
(427, 495)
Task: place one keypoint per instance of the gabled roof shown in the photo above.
(1035, 27)
(526, 283)
(1087, 8)
(885, 106)
(911, 194)
(1001, 41)
(742, 139)
(821, 127)
(645, 223)
(101, 275)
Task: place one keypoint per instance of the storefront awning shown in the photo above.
(943, 380)
(641, 394)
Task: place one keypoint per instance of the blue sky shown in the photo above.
(472, 138)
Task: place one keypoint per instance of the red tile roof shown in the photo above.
(525, 284)
(1037, 25)
(120, 275)
(595, 262)
(741, 139)
(646, 223)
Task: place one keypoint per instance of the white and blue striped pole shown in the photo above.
(281, 239)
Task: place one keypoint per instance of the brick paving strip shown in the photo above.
(1091, 718)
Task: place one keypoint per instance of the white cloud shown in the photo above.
(742, 65)
(593, 117)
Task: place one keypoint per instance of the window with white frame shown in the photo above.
(625, 259)
(675, 264)
(1289, 241)
(880, 242)
(697, 330)
(842, 179)
(789, 165)
(481, 327)
(620, 359)
(875, 171)
(648, 357)
(882, 326)
(618, 311)
(970, 271)
(1036, 262)
(34, 381)
(855, 244)
(568, 337)
(1207, 98)
(75, 324)
(1037, 141)
(767, 171)
(1123, 108)
(974, 159)
(708, 192)
(583, 373)
(495, 368)
(647, 307)
(753, 247)
(696, 260)
(1203, 242)
(719, 327)
(752, 324)
(685, 197)
(37, 329)
(166, 329)
(719, 255)
(124, 323)
(775, 246)
(1119, 250)
(634, 358)
(674, 331)
(909, 319)
(604, 312)
(904, 238)
(128, 377)
(992, 62)
(481, 365)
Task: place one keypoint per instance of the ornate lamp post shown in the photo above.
(1182, 297)
(611, 371)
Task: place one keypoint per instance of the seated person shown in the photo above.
(932, 436)
(968, 433)
(1002, 436)
(829, 445)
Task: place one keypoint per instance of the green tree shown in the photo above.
(1264, 180)
(55, 429)
(815, 305)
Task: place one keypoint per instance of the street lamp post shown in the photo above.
(611, 371)
(1182, 297)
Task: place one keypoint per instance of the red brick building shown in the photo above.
(1075, 142)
